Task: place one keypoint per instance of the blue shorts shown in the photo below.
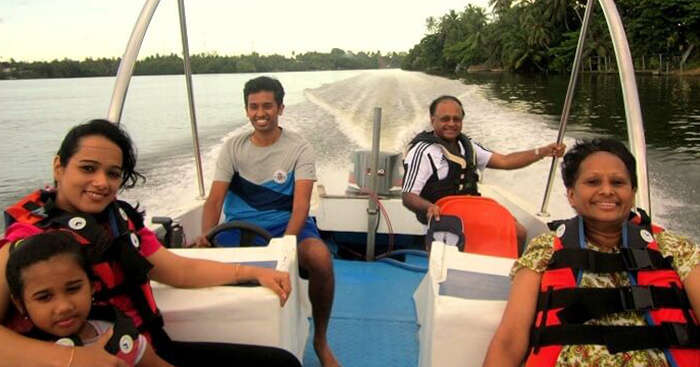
(233, 238)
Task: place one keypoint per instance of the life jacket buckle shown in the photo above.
(636, 298)
(40, 212)
(636, 259)
(678, 334)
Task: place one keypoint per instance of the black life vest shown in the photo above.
(656, 291)
(114, 244)
(462, 177)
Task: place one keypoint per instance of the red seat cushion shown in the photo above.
(489, 228)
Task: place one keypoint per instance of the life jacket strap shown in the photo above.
(579, 305)
(122, 325)
(536, 334)
(628, 259)
(620, 338)
(150, 320)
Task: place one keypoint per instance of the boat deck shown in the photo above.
(373, 322)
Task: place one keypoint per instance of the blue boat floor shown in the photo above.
(373, 322)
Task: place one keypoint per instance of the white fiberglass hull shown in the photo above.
(240, 314)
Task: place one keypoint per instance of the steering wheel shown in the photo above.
(248, 232)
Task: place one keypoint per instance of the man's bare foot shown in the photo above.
(324, 353)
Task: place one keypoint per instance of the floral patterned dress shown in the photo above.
(686, 256)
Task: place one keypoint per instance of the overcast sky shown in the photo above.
(76, 29)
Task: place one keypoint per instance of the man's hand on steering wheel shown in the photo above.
(201, 241)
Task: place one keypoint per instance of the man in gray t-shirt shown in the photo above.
(266, 177)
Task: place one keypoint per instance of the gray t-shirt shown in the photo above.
(262, 178)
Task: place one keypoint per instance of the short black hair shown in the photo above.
(111, 132)
(264, 83)
(41, 247)
(436, 101)
(583, 148)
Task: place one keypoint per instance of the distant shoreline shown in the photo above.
(172, 64)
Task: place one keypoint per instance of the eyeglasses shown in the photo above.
(448, 118)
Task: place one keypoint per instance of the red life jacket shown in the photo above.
(112, 245)
(656, 291)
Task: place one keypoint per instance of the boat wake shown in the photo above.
(336, 118)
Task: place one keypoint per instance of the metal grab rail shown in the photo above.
(190, 98)
(372, 211)
(567, 103)
(126, 70)
(126, 66)
(630, 96)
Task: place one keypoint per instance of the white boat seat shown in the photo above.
(459, 304)
(247, 313)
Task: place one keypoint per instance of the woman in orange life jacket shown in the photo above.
(96, 159)
(602, 290)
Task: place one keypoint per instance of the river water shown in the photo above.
(333, 110)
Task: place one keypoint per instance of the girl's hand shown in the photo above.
(278, 281)
(95, 355)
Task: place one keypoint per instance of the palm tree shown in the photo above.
(500, 6)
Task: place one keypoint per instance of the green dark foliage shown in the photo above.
(541, 36)
(58, 69)
(337, 59)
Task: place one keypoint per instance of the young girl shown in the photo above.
(50, 284)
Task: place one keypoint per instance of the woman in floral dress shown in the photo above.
(601, 185)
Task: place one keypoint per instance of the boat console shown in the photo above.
(247, 314)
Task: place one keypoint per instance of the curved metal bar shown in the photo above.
(567, 103)
(190, 97)
(633, 111)
(126, 66)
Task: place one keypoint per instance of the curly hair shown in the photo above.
(583, 148)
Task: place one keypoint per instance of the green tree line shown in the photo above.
(541, 36)
(204, 63)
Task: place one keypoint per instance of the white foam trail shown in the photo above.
(172, 184)
(341, 119)
(337, 119)
(405, 97)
